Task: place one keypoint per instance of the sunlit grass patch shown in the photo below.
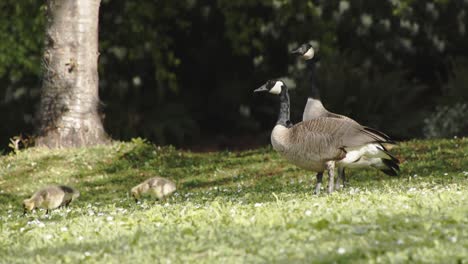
(235, 207)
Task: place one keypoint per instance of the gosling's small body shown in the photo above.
(51, 197)
(156, 187)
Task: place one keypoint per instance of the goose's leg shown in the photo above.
(319, 182)
(341, 178)
(331, 175)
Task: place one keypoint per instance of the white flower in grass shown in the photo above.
(87, 253)
(258, 204)
(110, 218)
(48, 236)
(64, 229)
(453, 239)
(400, 242)
(308, 213)
(341, 251)
(445, 174)
(80, 238)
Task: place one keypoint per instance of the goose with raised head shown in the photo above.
(324, 143)
(314, 107)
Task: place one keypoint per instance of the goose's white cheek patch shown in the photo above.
(309, 54)
(277, 88)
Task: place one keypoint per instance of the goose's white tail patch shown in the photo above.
(363, 156)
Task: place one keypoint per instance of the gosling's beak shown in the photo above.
(261, 89)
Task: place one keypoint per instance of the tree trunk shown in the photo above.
(68, 114)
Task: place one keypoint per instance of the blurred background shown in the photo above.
(182, 72)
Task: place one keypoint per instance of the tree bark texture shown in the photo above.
(68, 113)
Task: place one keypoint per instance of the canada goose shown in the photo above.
(156, 186)
(322, 143)
(314, 107)
(51, 197)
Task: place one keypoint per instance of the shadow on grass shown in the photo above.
(260, 172)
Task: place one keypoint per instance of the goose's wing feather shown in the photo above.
(328, 137)
(348, 131)
(311, 138)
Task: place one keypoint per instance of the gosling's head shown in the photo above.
(28, 206)
(272, 86)
(135, 194)
(304, 51)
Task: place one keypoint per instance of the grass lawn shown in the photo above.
(243, 207)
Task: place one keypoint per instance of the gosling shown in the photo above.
(156, 186)
(51, 197)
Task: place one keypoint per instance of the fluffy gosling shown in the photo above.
(50, 198)
(156, 186)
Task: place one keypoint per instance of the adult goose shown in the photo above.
(314, 107)
(324, 143)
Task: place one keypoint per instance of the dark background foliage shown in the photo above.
(182, 72)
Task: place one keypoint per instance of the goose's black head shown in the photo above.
(304, 51)
(272, 86)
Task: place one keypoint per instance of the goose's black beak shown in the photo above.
(261, 89)
(297, 51)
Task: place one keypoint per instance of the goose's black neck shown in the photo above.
(314, 92)
(283, 116)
